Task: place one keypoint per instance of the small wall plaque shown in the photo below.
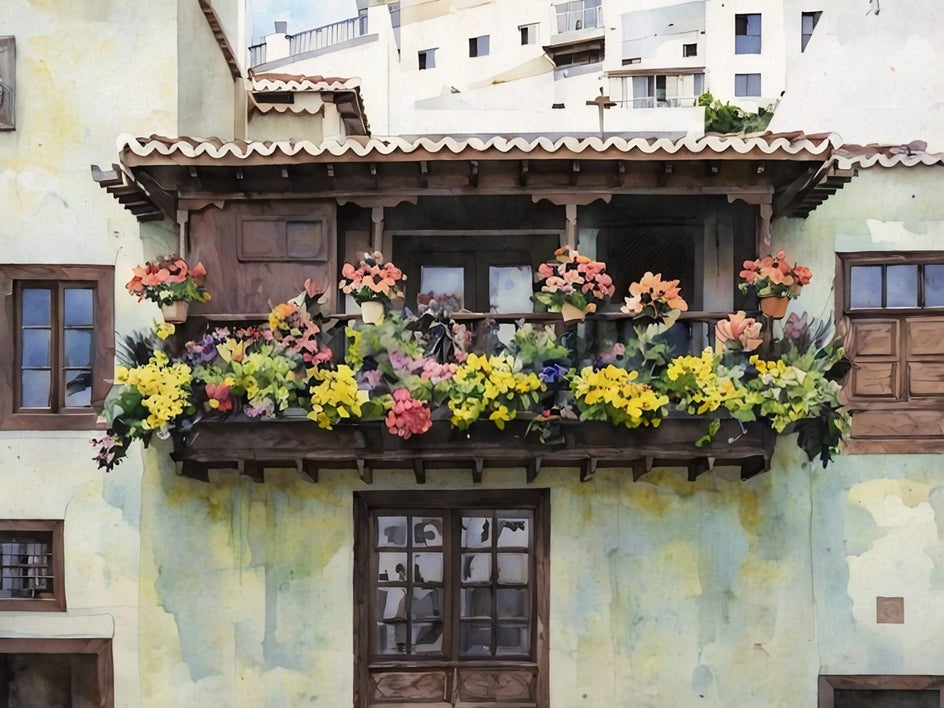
(890, 610)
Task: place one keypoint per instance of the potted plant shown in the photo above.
(170, 283)
(373, 284)
(573, 285)
(657, 299)
(775, 282)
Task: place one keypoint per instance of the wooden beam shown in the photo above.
(574, 173)
(308, 470)
(477, 466)
(523, 173)
(424, 173)
(473, 173)
(364, 471)
(588, 468)
(419, 471)
(533, 468)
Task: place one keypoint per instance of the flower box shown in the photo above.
(253, 447)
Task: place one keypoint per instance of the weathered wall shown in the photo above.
(663, 592)
(87, 71)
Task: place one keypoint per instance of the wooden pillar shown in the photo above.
(570, 226)
(377, 227)
(762, 230)
(183, 216)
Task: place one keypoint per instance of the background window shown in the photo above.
(31, 566)
(478, 46)
(690, 50)
(870, 691)
(56, 672)
(529, 34)
(747, 85)
(426, 59)
(61, 349)
(747, 34)
(807, 25)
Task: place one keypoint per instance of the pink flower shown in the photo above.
(408, 416)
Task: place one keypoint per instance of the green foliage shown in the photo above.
(725, 118)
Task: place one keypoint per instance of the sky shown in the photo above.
(300, 14)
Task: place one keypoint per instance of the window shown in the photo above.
(529, 34)
(690, 50)
(31, 566)
(7, 83)
(894, 303)
(456, 586)
(658, 91)
(892, 691)
(482, 273)
(807, 25)
(53, 367)
(579, 14)
(478, 46)
(747, 34)
(56, 672)
(426, 59)
(747, 85)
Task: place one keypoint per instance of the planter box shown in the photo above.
(251, 446)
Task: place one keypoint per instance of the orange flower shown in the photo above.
(739, 332)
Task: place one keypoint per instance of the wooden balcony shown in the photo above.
(251, 447)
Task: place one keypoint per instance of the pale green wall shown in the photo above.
(87, 71)
(663, 593)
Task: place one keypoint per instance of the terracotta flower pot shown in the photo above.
(372, 311)
(571, 313)
(774, 307)
(176, 312)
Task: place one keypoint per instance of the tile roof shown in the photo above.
(782, 146)
(298, 82)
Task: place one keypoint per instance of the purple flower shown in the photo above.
(552, 373)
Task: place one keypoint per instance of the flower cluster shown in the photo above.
(655, 298)
(410, 372)
(490, 385)
(773, 276)
(700, 384)
(573, 280)
(169, 280)
(739, 332)
(371, 279)
(612, 394)
(408, 416)
(335, 396)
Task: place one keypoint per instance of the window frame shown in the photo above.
(891, 390)
(479, 46)
(101, 647)
(806, 36)
(367, 503)
(102, 280)
(747, 85)
(56, 603)
(528, 33)
(746, 45)
(690, 49)
(828, 684)
(8, 82)
(423, 57)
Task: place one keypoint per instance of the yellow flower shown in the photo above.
(164, 329)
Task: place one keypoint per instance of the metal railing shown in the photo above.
(653, 102)
(328, 35)
(314, 39)
(576, 15)
(257, 54)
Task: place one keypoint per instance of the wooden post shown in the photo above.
(377, 227)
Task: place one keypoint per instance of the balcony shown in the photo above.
(308, 41)
(281, 420)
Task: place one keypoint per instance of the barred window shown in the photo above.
(31, 565)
